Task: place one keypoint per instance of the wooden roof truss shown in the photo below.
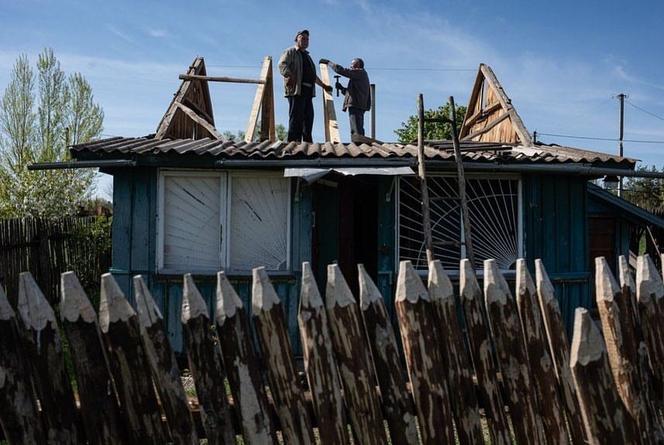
(490, 116)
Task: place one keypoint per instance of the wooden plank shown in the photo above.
(396, 400)
(268, 124)
(481, 352)
(505, 326)
(242, 368)
(622, 347)
(320, 365)
(331, 124)
(200, 121)
(261, 90)
(541, 364)
(120, 331)
(165, 370)
(559, 348)
(273, 338)
(355, 366)
(206, 366)
(220, 79)
(44, 346)
(488, 128)
(459, 369)
(483, 112)
(422, 175)
(98, 407)
(426, 368)
(19, 418)
(638, 351)
(649, 289)
(604, 416)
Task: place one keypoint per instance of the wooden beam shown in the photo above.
(199, 120)
(481, 113)
(488, 128)
(188, 102)
(259, 99)
(220, 79)
(331, 124)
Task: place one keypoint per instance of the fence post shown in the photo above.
(129, 365)
(47, 363)
(355, 365)
(459, 371)
(99, 409)
(512, 357)
(19, 417)
(604, 416)
(541, 365)
(242, 369)
(424, 361)
(206, 366)
(649, 291)
(165, 370)
(481, 353)
(397, 402)
(559, 347)
(319, 362)
(277, 352)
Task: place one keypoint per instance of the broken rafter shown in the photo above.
(199, 120)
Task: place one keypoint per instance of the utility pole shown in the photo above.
(621, 98)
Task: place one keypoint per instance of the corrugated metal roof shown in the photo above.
(441, 150)
(625, 206)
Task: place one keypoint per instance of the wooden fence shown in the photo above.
(48, 247)
(475, 366)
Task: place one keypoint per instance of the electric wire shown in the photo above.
(644, 110)
(569, 136)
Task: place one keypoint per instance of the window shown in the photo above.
(495, 219)
(208, 221)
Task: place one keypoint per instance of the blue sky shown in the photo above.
(562, 63)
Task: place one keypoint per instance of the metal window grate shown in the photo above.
(493, 206)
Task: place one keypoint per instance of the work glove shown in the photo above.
(328, 88)
(325, 61)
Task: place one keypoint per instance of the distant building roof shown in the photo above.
(625, 207)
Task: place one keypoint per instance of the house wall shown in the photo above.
(555, 222)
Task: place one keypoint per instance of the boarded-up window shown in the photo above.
(214, 221)
(259, 223)
(495, 217)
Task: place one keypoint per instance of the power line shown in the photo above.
(644, 110)
(569, 136)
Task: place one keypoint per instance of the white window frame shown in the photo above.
(225, 184)
(520, 234)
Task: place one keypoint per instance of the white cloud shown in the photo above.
(120, 33)
(156, 33)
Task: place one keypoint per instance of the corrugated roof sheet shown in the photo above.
(441, 150)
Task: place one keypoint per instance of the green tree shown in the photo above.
(39, 117)
(647, 193)
(279, 129)
(432, 130)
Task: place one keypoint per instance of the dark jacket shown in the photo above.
(358, 92)
(290, 65)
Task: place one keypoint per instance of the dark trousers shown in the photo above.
(300, 118)
(356, 117)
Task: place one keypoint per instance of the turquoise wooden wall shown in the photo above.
(555, 229)
(555, 223)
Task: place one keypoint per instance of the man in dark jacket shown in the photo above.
(357, 94)
(300, 80)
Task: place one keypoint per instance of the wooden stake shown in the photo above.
(242, 367)
(273, 337)
(421, 172)
(47, 364)
(98, 402)
(355, 364)
(541, 363)
(512, 356)
(559, 348)
(206, 365)
(604, 416)
(129, 364)
(481, 352)
(397, 402)
(165, 370)
(426, 368)
(19, 417)
(459, 369)
(320, 365)
(650, 290)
